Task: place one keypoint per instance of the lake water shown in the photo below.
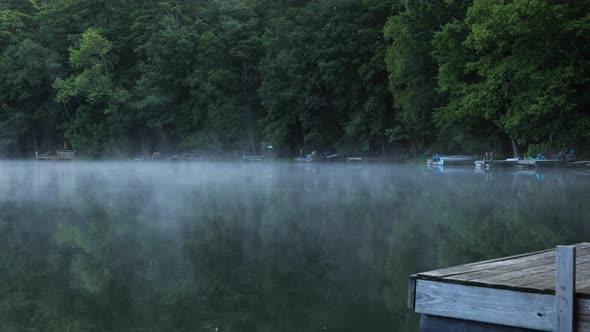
(257, 247)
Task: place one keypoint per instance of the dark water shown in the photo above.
(236, 247)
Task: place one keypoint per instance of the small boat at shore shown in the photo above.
(452, 160)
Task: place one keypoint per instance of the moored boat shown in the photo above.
(453, 160)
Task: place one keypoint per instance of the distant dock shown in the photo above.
(57, 155)
(516, 293)
(515, 163)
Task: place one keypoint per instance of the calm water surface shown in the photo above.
(265, 247)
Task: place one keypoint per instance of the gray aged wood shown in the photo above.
(565, 288)
(412, 292)
(517, 291)
(532, 272)
(488, 305)
(518, 274)
(473, 267)
(430, 323)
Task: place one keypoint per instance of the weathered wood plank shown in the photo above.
(472, 267)
(565, 288)
(546, 281)
(412, 292)
(516, 291)
(582, 276)
(505, 262)
(540, 278)
(582, 314)
(507, 273)
(495, 306)
(531, 274)
(488, 305)
(430, 323)
(583, 291)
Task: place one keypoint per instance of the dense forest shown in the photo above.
(114, 78)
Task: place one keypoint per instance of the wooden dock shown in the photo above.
(58, 155)
(516, 293)
(514, 163)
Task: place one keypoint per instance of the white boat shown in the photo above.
(453, 160)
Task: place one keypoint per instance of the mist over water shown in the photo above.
(124, 246)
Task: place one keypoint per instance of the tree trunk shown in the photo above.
(252, 144)
(303, 137)
(35, 142)
(248, 92)
(514, 147)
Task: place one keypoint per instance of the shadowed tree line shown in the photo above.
(116, 78)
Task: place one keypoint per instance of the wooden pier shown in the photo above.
(516, 293)
(515, 163)
(57, 155)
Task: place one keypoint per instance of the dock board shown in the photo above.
(517, 291)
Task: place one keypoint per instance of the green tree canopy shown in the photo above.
(370, 77)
